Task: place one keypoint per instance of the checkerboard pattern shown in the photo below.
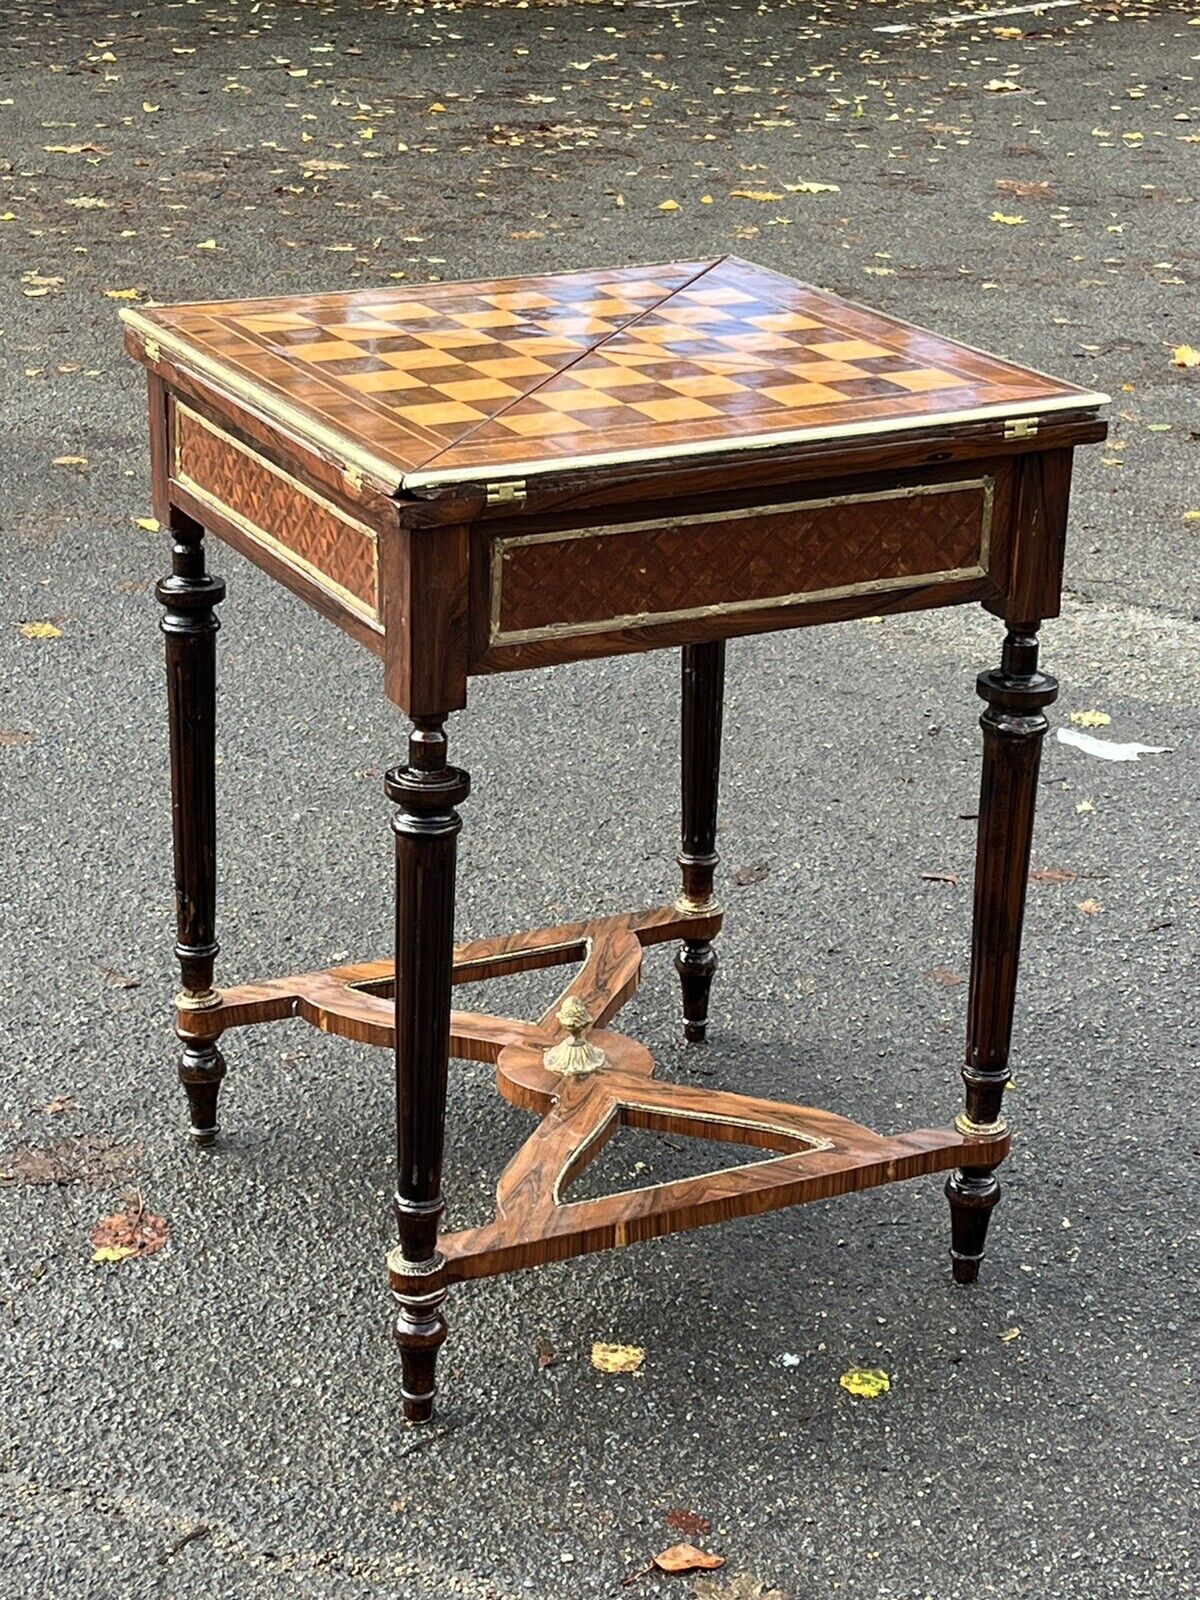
(458, 380)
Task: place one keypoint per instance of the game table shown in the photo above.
(487, 477)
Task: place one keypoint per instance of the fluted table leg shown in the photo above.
(702, 706)
(189, 622)
(426, 827)
(1013, 729)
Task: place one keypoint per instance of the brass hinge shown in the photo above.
(510, 493)
(1021, 428)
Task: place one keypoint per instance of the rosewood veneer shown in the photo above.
(486, 477)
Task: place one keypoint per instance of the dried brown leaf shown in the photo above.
(687, 1558)
(132, 1232)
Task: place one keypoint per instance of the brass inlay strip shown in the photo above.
(284, 552)
(567, 630)
(158, 339)
(388, 476)
(724, 444)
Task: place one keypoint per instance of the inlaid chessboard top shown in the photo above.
(462, 382)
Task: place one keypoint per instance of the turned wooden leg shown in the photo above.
(1013, 728)
(190, 625)
(703, 699)
(426, 826)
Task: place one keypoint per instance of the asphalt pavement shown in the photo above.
(221, 1418)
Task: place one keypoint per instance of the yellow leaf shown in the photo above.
(122, 294)
(436, 108)
(705, 200)
(149, 109)
(1007, 33)
(805, 187)
(617, 1357)
(113, 1252)
(1012, 222)
(1001, 86)
(41, 630)
(147, 524)
(207, 244)
(865, 1382)
(755, 194)
(1191, 516)
(88, 202)
(70, 461)
(1090, 719)
(8, 216)
(1009, 1335)
(669, 205)
(687, 1558)
(1184, 356)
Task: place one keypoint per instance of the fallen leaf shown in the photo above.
(15, 738)
(1089, 907)
(41, 630)
(1024, 188)
(1191, 516)
(742, 1587)
(755, 194)
(745, 876)
(59, 1104)
(545, 1354)
(1184, 356)
(122, 294)
(437, 108)
(88, 202)
(132, 1232)
(947, 979)
(146, 524)
(807, 187)
(939, 877)
(70, 461)
(687, 1558)
(1052, 875)
(865, 1382)
(1009, 222)
(207, 244)
(669, 205)
(1009, 1335)
(1090, 719)
(617, 1357)
(1000, 86)
(120, 980)
(690, 1522)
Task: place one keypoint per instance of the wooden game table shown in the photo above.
(487, 477)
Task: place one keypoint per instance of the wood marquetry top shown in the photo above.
(459, 382)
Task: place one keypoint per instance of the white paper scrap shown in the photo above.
(1108, 749)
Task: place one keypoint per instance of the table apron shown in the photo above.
(557, 593)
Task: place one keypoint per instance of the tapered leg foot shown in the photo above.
(200, 1071)
(419, 1330)
(696, 963)
(972, 1193)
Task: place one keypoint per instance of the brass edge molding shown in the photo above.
(383, 475)
(285, 553)
(498, 636)
(1084, 401)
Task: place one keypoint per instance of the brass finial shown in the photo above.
(573, 1056)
